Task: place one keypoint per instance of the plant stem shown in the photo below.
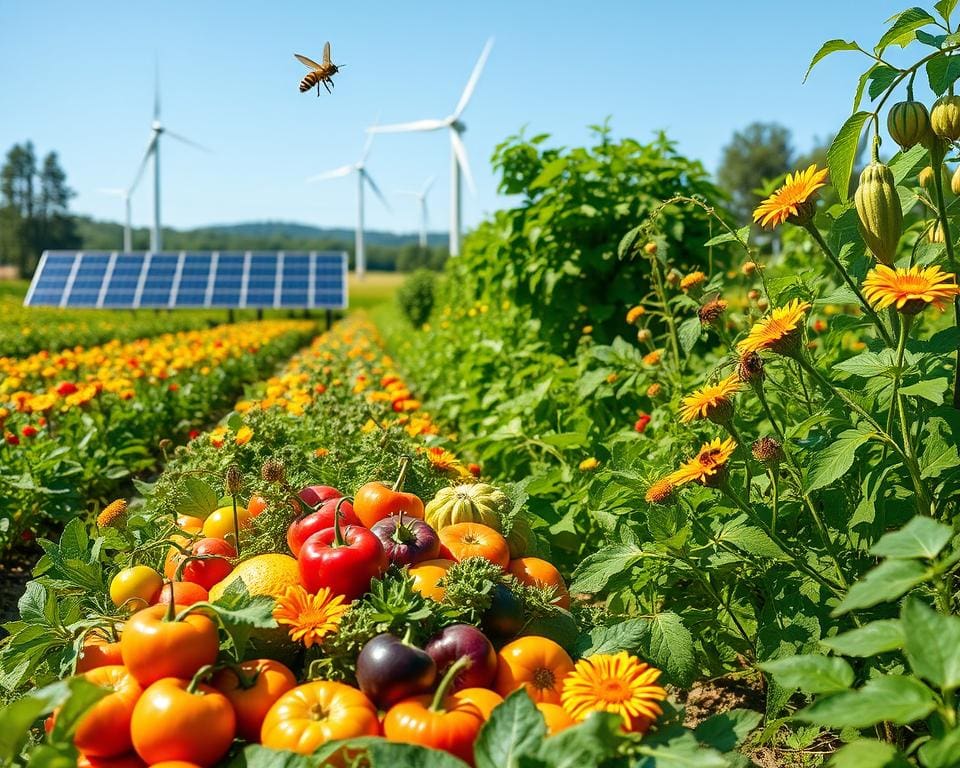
(828, 252)
(667, 312)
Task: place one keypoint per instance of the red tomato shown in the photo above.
(256, 505)
(184, 593)
(213, 567)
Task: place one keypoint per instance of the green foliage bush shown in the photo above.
(417, 295)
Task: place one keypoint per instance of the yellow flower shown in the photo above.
(909, 290)
(635, 313)
(243, 435)
(587, 329)
(588, 465)
(778, 332)
(713, 401)
(617, 683)
(692, 280)
(652, 358)
(111, 513)
(708, 466)
(310, 617)
(41, 403)
(794, 201)
(443, 460)
(321, 453)
(659, 492)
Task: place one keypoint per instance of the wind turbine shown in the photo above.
(363, 178)
(157, 129)
(421, 197)
(458, 152)
(123, 194)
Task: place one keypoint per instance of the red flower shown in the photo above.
(320, 389)
(174, 387)
(474, 469)
(642, 422)
(66, 388)
(28, 430)
(194, 434)
(819, 325)
(11, 438)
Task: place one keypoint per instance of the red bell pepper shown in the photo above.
(344, 561)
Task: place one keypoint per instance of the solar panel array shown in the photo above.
(190, 279)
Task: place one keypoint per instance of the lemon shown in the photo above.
(269, 574)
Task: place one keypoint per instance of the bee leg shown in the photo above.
(325, 85)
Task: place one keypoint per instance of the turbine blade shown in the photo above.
(143, 163)
(376, 189)
(427, 185)
(426, 215)
(336, 173)
(188, 142)
(461, 152)
(416, 125)
(474, 77)
(156, 87)
(370, 136)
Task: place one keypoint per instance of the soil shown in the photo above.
(15, 568)
(709, 697)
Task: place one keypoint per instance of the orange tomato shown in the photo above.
(135, 587)
(97, 651)
(437, 722)
(184, 593)
(153, 647)
(256, 505)
(535, 663)
(483, 699)
(131, 760)
(375, 501)
(475, 540)
(104, 730)
(426, 575)
(219, 523)
(189, 523)
(312, 714)
(252, 688)
(555, 716)
(175, 556)
(175, 721)
(535, 572)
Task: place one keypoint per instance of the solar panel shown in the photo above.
(190, 279)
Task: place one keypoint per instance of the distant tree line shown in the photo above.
(34, 202)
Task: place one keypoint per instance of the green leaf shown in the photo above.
(902, 31)
(834, 461)
(596, 570)
(587, 743)
(922, 537)
(727, 730)
(905, 163)
(945, 8)
(515, 727)
(869, 364)
(688, 332)
(83, 695)
(831, 46)
(74, 541)
(929, 389)
(942, 72)
(931, 643)
(199, 499)
(550, 172)
(683, 751)
(743, 235)
(943, 752)
(240, 613)
(886, 582)
(752, 540)
(389, 754)
(670, 648)
(869, 640)
(881, 78)
(842, 152)
(934, 41)
(625, 635)
(866, 753)
(897, 698)
(811, 673)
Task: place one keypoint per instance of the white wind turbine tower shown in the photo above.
(123, 194)
(157, 129)
(421, 197)
(363, 179)
(458, 152)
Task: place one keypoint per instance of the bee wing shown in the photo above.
(308, 63)
(326, 53)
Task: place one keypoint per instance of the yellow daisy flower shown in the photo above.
(713, 401)
(794, 201)
(909, 290)
(778, 332)
(310, 617)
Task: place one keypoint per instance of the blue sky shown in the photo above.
(78, 78)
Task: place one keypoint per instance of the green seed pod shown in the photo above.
(935, 234)
(879, 211)
(925, 177)
(955, 182)
(908, 123)
(945, 118)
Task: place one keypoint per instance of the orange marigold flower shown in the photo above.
(909, 290)
(713, 401)
(652, 358)
(654, 390)
(778, 332)
(243, 435)
(708, 466)
(635, 313)
(660, 492)
(443, 460)
(692, 280)
(309, 617)
(794, 201)
(111, 513)
(321, 453)
(617, 683)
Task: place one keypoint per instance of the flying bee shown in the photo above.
(319, 73)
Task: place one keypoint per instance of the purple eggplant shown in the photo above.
(407, 540)
(390, 670)
(460, 640)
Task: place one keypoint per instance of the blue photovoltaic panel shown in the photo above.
(84, 291)
(228, 279)
(295, 286)
(50, 279)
